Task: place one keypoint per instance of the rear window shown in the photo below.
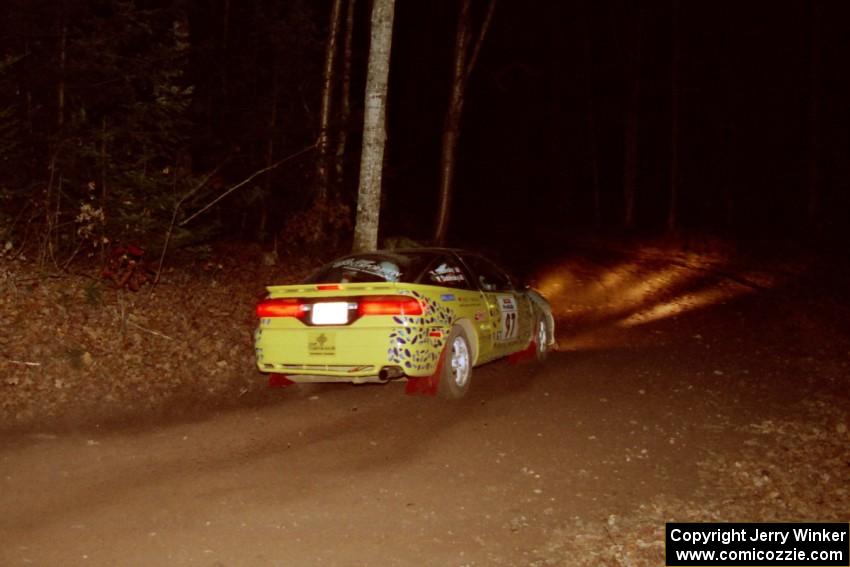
(372, 268)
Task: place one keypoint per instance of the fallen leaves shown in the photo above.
(73, 346)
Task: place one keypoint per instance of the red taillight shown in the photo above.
(329, 287)
(280, 308)
(389, 305)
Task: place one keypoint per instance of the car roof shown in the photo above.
(422, 250)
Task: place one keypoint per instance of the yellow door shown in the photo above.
(508, 311)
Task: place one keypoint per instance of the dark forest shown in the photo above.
(123, 118)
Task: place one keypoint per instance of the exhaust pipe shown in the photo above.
(388, 373)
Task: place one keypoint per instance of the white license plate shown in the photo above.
(331, 313)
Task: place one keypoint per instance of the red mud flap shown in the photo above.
(279, 381)
(523, 355)
(427, 385)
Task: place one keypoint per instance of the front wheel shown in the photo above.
(541, 339)
(457, 366)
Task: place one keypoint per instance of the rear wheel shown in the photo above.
(457, 366)
(541, 339)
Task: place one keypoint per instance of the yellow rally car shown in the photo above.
(426, 314)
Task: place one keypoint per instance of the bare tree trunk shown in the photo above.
(323, 161)
(814, 204)
(60, 86)
(451, 127)
(729, 204)
(630, 165)
(28, 87)
(374, 127)
(591, 120)
(262, 229)
(104, 187)
(225, 47)
(673, 210)
(345, 95)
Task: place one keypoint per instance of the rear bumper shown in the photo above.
(342, 371)
(321, 379)
(346, 355)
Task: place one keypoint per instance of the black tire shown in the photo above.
(456, 373)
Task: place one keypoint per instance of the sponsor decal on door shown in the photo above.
(508, 324)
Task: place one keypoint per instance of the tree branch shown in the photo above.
(480, 39)
(177, 206)
(248, 180)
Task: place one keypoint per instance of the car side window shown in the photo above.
(490, 277)
(446, 272)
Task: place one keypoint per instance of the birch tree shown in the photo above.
(464, 62)
(323, 146)
(374, 127)
(591, 118)
(62, 56)
(345, 95)
(815, 120)
(673, 208)
(630, 165)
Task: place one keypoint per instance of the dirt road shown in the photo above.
(732, 409)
